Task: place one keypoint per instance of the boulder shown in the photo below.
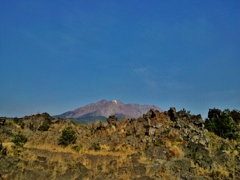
(200, 155)
(112, 120)
(151, 113)
(172, 114)
(181, 166)
(144, 178)
(2, 122)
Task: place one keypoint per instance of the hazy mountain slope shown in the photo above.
(106, 108)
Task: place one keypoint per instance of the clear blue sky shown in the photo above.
(56, 56)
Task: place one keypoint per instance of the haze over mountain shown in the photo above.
(103, 109)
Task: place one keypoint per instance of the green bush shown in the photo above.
(19, 140)
(235, 114)
(16, 120)
(223, 125)
(44, 127)
(96, 146)
(128, 133)
(77, 148)
(68, 136)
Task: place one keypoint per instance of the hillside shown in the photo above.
(103, 109)
(157, 145)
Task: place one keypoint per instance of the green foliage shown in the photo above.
(223, 126)
(158, 143)
(44, 127)
(128, 133)
(89, 133)
(235, 114)
(16, 120)
(68, 136)
(19, 140)
(96, 146)
(185, 111)
(166, 131)
(77, 148)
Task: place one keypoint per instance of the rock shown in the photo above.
(197, 120)
(123, 171)
(177, 125)
(151, 113)
(2, 121)
(151, 131)
(104, 125)
(200, 155)
(112, 165)
(139, 170)
(144, 178)
(158, 125)
(156, 152)
(112, 120)
(181, 166)
(33, 174)
(221, 157)
(8, 165)
(172, 114)
(97, 126)
(55, 121)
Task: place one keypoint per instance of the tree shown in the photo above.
(68, 136)
(235, 114)
(222, 124)
(45, 126)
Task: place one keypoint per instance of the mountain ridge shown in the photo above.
(105, 108)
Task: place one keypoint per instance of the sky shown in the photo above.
(57, 55)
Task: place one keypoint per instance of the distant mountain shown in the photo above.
(103, 109)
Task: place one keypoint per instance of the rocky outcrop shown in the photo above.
(158, 145)
(2, 121)
(112, 121)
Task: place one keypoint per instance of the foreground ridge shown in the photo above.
(157, 145)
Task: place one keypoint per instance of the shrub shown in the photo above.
(16, 120)
(235, 114)
(77, 148)
(19, 140)
(96, 146)
(68, 136)
(44, 127)
(222, 124)
(128, 133)
(185, 111)
(175, 152)
(89, 133)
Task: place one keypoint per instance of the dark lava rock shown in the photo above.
(112, 120)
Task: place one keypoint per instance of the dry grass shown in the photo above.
(219, 173)
(11, 148)
(111, 130)
(50, 147)
(122, 133)
(213, 143)
(161, 117)
(122, 151)
(166, 175)
(144, 160)
(175, 152)
(7, 145)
